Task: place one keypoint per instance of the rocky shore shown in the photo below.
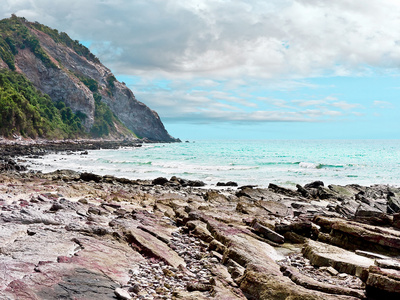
(68, 235)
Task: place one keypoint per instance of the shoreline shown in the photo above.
(10, 150)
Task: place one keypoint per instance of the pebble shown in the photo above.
(158, 280)
(323, 274)
(122, 294)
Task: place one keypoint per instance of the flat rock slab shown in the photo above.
(152, 246)
(30, 248)
(268, 233)
(321, 254)
(313, 284)
(388, 263)
(387, 280)
(72, 283)
(359, 236)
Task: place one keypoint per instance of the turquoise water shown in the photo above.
(284, 162)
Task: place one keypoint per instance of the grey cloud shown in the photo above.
(235, 38)
(205, 45)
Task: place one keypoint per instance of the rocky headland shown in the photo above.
(69, 235)
(55, 88)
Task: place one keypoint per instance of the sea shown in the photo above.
(246, 162)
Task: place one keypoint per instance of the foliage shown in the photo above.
(27, 112)
(63, 38)
(103, 118)
(89, 82)
(14, 35)
(110, 80)
(6, 54)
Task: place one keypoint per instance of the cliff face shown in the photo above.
(65, 77)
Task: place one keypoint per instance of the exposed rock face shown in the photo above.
(58, 84)
(63, 83)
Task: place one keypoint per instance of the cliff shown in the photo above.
(67, 72)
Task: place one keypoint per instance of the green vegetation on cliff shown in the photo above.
(105, 121)
(63, 38)
(26, 111)
(15, 35)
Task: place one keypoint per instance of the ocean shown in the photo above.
(256, 162)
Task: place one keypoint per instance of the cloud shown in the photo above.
(294, 38)
(345, 105)
(220, 60)
(383, 104)
(305, 103)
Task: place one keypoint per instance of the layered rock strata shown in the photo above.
(66, 235)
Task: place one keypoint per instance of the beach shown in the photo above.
(81, 235)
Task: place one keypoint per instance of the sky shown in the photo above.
(251, 69)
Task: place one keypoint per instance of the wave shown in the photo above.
(308, 165)
(279, 163)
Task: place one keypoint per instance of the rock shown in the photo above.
(275, 208)
(303, 228)
(216, 246)
(262, 285)
(294, 238)
(356, 236)
(332, 271)
(158, 238)
(122, 294)
(314, 185)
(55, 207)
(199, 229)
(347, 208)
(383, 282)
(388, 263)
(267, 233)
(321, 254)
(364, 210)
(150, 245)
(313, 284)
(393, 203)
(281, 190)
(214, 196)
(195, 183)
(396, 220)
(302, 191)
(196, 286)
(160, 181)
(90, 177)
(371, 254)
(229, 183)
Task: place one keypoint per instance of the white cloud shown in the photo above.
(345, 105)
(305, 103)
(255, 38)
(383, 104)
(217, 55)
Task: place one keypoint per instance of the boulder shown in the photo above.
(314, 185)
(160, 181)
(281, 190)
(229, 183)
(90, 177)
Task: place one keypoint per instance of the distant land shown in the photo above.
(53, 87)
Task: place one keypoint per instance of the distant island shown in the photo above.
(53, 87)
